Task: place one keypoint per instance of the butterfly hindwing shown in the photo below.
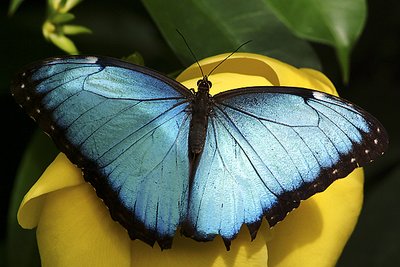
(268, 148)
(126, 127)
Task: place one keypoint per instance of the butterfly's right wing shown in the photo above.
(126, 127)
(268, 148)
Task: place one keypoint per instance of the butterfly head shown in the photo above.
(204, 84)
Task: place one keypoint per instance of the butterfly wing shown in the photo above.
(126, 127)
(269, 148)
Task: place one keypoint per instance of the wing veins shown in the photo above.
(247, 156)
(74, 94)
(155, 167)
(225, 167)
(206, 183)
(146, 135)
(284, 148)
(260, 118)
(322, 114)
(122, 98)
(104, 123)
(60, 72)
(335, 111)
(286, 125)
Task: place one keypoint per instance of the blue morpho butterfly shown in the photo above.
(163, 157)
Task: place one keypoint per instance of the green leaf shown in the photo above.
(64, 43)
(213, 27)
(39, 154)
(74, 29)
(334, 22)
(59, 18)
(14, 4)
(135, 58)
(67, 5)
(53, 28)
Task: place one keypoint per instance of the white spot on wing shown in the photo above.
(22, 86)
(91, 59)
(318, 95)
(335, 171)
(375, 141)
(38, 111)
(366, 151)
(353, 160)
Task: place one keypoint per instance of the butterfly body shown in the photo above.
(200, 110)
(164, 158)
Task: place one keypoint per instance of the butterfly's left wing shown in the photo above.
(126, 126)
(268, 148)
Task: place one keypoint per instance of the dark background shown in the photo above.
(373, 85)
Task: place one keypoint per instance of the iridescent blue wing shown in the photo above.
(269, 148)
(126, 127)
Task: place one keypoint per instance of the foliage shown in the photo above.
(224, 25)
(338, 23)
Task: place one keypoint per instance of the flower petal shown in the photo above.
(316, 233)
(246, 69)
(320, 81)
(187, 252)
(60, 174)
(75, 229)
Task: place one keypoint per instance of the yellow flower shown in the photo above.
(74, 227)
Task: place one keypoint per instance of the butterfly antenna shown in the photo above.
(240, 46)
(191, 52)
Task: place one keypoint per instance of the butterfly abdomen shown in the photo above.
(198, 124)
(200, 111)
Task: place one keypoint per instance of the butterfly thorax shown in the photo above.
(200, 110)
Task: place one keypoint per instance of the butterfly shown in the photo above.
(163, 157)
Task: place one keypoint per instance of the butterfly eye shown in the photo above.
(199, 82)
(209, 84)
